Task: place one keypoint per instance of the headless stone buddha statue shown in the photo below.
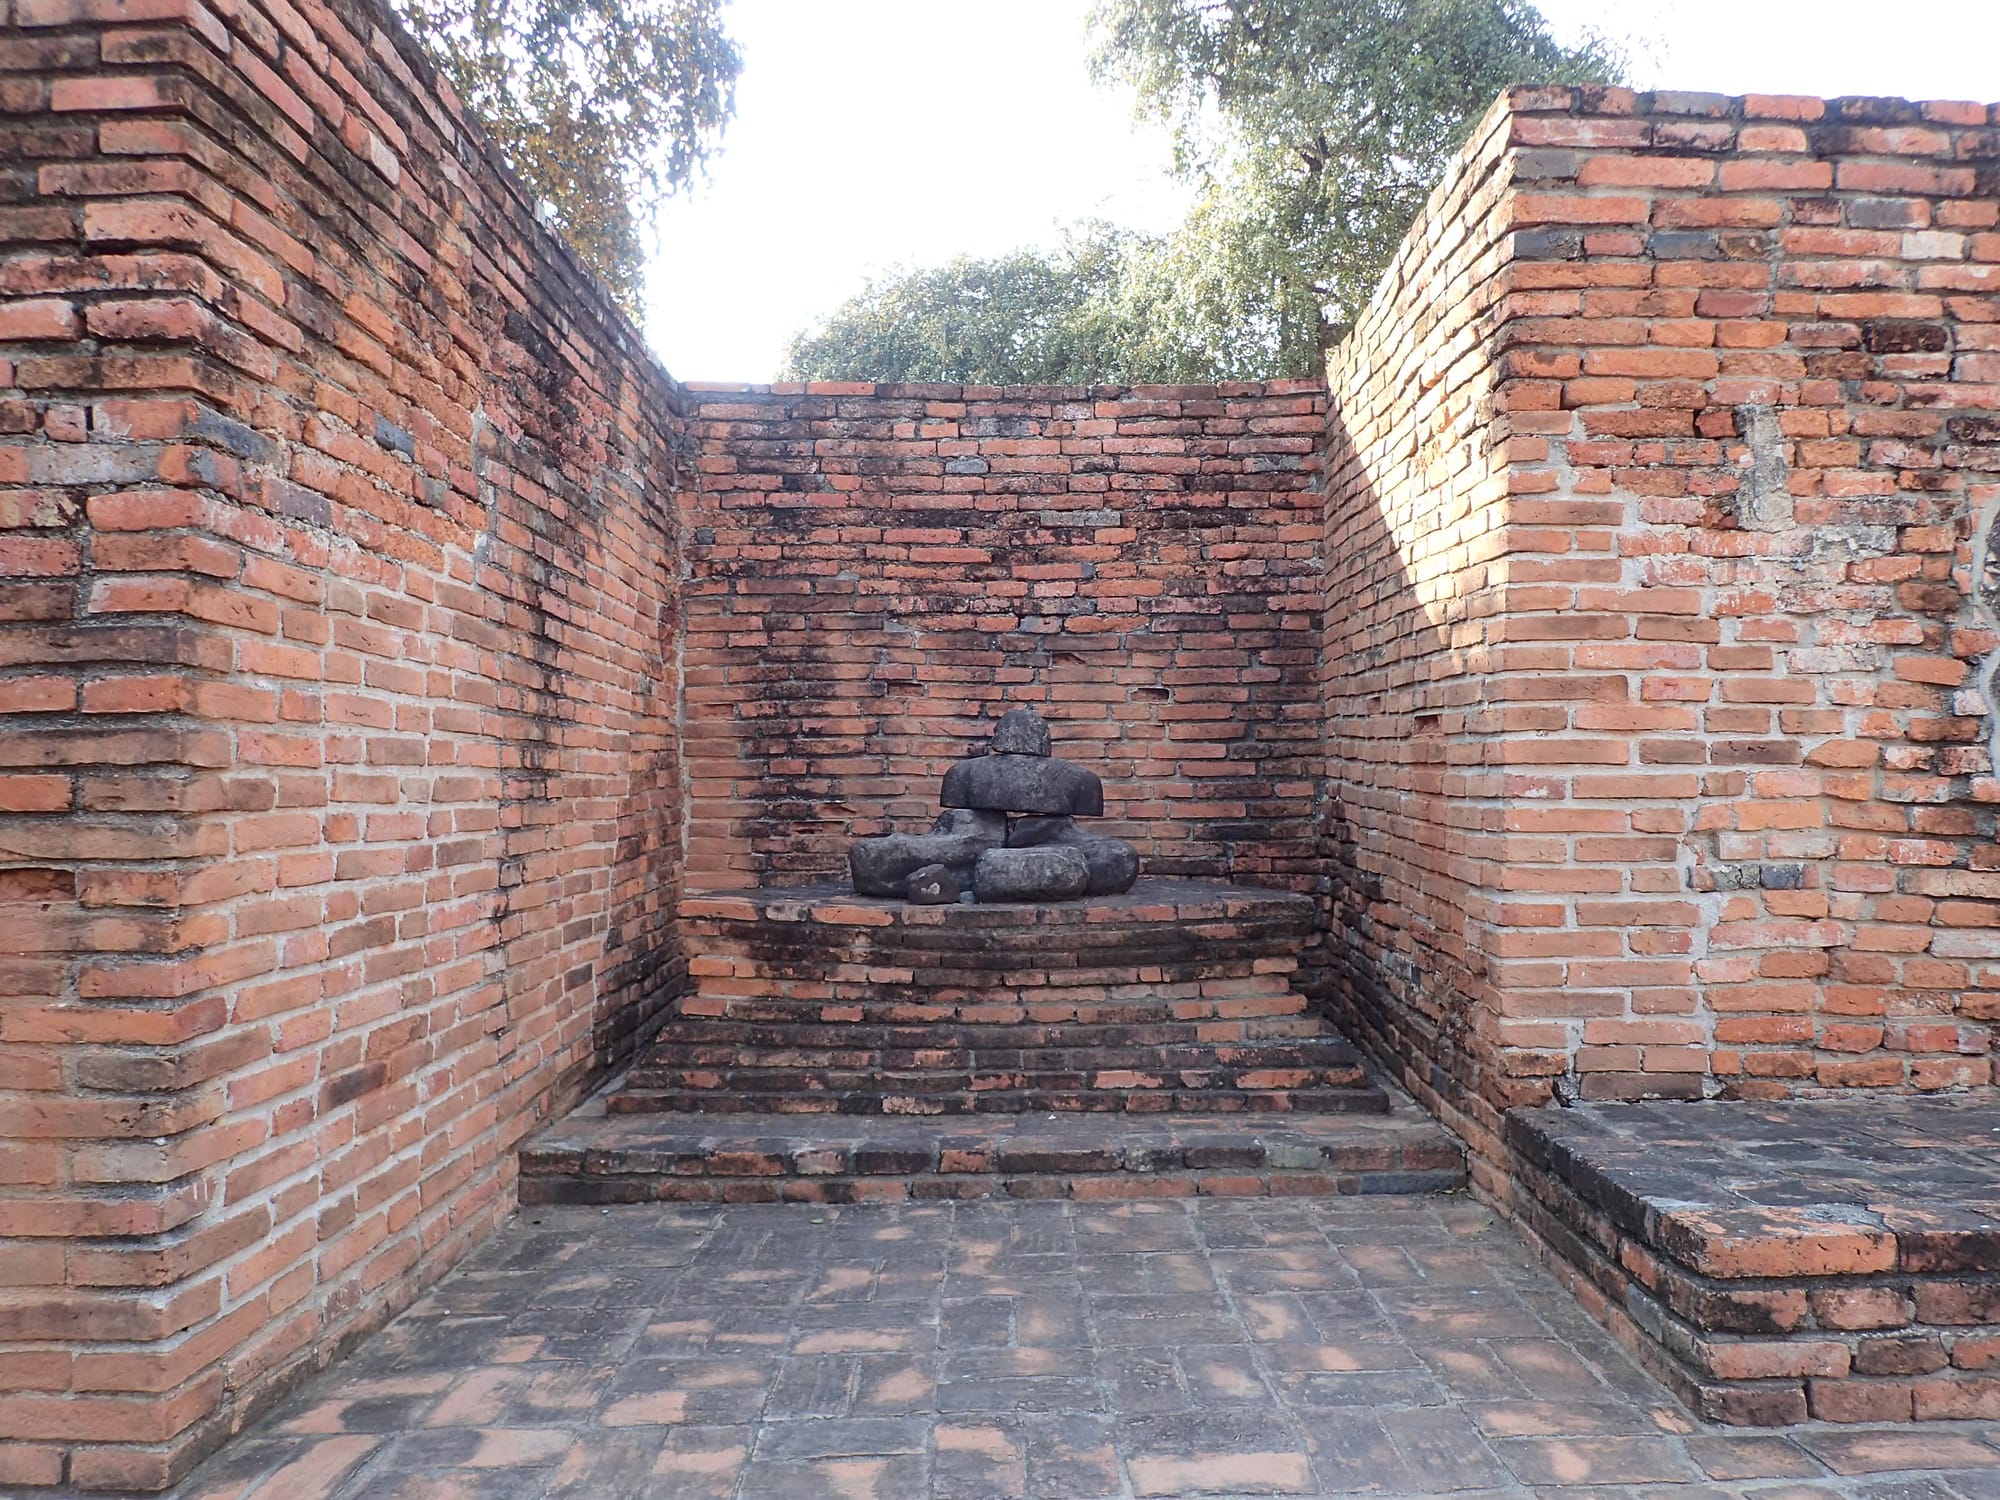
(1010, 825)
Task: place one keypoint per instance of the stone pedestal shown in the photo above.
(1175, 997)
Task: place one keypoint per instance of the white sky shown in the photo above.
(876, 133)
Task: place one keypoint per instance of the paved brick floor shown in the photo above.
(1386, 1346)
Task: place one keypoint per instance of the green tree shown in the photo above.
(605, 107)
(1316, 128)
(1312, 131)
(1028, 318)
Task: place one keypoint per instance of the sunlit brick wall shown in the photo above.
(1682, 654)
(338, 801)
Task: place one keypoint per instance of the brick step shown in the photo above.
(877, 1010)
(932, 1082)
(596, 1156)
(947, 1053)
(701, 1031)
(731, 1096)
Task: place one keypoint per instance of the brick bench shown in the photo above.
(1832, 1259)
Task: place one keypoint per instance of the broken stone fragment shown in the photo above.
(933, 885)
(1021, 731)
(1051, 873)
(883, 866)
(1023, 784)
(1114, 864)
(968, 822)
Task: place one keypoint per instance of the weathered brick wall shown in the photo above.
(875, 572)
(1416, 541)
(1687, 646)
(340, 798)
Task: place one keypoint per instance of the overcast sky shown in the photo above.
(876, 133)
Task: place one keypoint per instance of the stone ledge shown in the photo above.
(1174, 997)
(595, 1156)
(1833, 1259)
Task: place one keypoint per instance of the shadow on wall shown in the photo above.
(1398, 839)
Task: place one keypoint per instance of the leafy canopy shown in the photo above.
(605, 107)
(1312, 131)
(1029, 318)
(1324, 124)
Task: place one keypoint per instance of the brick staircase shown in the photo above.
(836, 1049)
(1175, 998)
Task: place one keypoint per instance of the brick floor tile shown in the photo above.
(1752, 1456)
(480, 1397)
(568, 1333)
(694, 1331)
(1879, 1450)
(1442, 1451)
(1563, 1419)
(1274, 1317)
(1472, 1372)
(607, 1463)
(860, 1437)
(1324, 1388)
(818, 1386)
(1284, 1269)
(973, 1321)
(1459, 1313)
(891, 1383)
(377, 1404)
(1142, 1380)
(1047, 1393)
(1269, 1472)
(316, 1470)
(1153, 1321)
(1385, 1352)
(1135, 1227)
(501, 1450)
(1381, 1265)
(699, 1463)
(1224, 1373)
(450, 1485)
(1070, 1457)
(1551, 1368)
(905, 1477)
(845, 1333)
(1171, 1272)
(1355, 1455)
(1052, 1320)
(1595, 1459)
(978, 1461)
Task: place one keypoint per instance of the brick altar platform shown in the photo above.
(1175, 997)
(1837, 1259)
(594, 1156)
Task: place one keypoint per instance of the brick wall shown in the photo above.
(1669, 534)
(1417, 538)
(876, 572)
(340, 799)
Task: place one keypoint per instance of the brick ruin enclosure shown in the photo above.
(404, 681)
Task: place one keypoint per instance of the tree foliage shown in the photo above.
(605, 107)
(1312, 131)
(1316, 128)
(1029, 318)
